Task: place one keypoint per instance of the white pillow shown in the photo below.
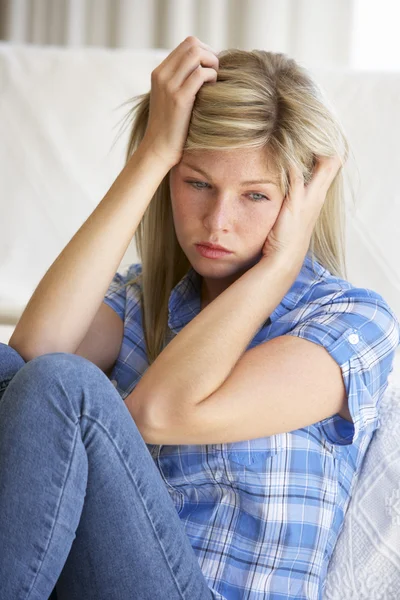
(365, 564)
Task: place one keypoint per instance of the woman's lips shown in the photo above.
(211, 252)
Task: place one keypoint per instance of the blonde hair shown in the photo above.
(260, 100)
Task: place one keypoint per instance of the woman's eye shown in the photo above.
(198, 183)
(260, 197)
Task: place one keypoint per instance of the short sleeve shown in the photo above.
(116, 293)
(361, 333)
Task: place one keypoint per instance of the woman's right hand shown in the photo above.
(174, 85)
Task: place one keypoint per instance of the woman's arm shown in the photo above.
(201, 356)
(68, 297)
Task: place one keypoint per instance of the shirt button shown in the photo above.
(114, 382)
(353, 338)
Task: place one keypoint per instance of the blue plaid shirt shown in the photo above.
(263, 515)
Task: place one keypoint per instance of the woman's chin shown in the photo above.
(215, 269)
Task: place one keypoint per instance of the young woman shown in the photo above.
(194, 427)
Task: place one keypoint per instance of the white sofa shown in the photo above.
(61, 114)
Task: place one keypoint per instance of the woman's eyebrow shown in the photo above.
(251, 182)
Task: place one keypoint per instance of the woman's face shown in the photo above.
(222, 197)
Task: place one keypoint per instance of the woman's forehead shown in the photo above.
(237, 160)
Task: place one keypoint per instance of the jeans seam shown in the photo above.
(57, 513)
(140, 495)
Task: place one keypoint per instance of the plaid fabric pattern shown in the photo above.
(263, 515)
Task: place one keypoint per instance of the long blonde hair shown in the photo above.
(260, 100)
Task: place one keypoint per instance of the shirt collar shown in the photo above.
(185, 299)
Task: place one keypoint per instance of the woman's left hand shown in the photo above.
(289, 238)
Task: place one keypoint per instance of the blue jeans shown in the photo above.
(84, 512)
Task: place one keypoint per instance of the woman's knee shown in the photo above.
(10, 359)
(64, 365)
(63, 378)
(49, 370)
(10, 363)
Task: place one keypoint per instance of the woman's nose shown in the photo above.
(219, 213)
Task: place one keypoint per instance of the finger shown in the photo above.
(189, 63)
(296, 181)
(324, 173)
(199, 76)
(192, 39)
(205, 46)
(171, 63)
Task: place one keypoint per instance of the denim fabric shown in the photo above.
(84, 513)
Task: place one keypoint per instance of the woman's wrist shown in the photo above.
(286, 264)
(149, 154)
